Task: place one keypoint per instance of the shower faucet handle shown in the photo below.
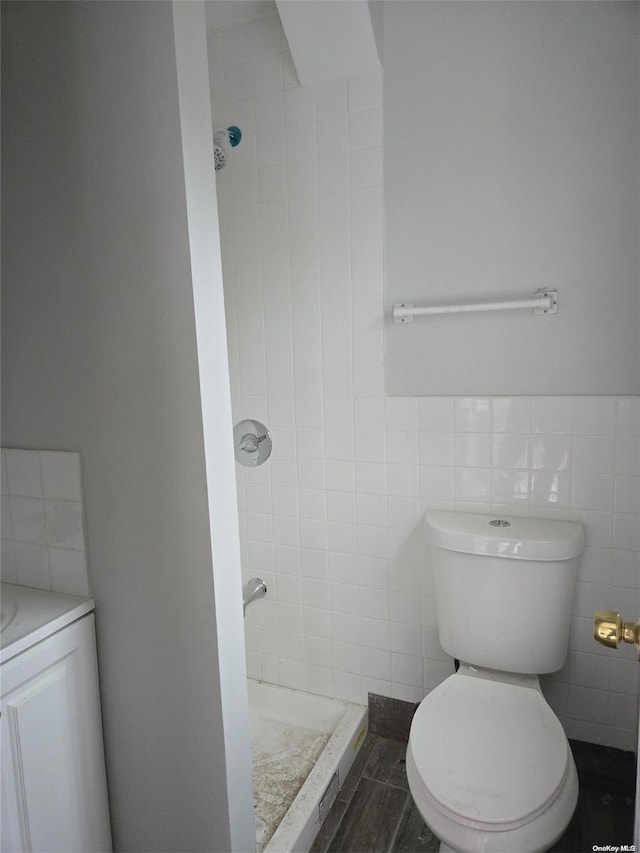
(252, 442)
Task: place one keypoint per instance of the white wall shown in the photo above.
(333, 522)
(511, 164)
(99, 356)
(213, 369)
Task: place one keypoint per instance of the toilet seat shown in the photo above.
(487, 753)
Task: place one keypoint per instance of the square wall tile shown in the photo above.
(436, 448)
(550, 452)
(365, 128)
(68, 571)
(510, 450)
(625, 570)
(268, 75)
(299, 105)
(436, 414)
(238, 82)
(628, 416)
(32, 565)
(551, 414)
(23, 473)
(593, 491)
(302, 178)
(472, 484)
(332, 136)
(331, 99)
(627, 456)
(236, 46)
(365, 205)
(407, 669)
(365, 167)
(594, 454)
(472, 414)
(64, 524)
(472, 450)
(510, 486)
(333, 173)
(27, 520)
(594, 415)
(365, 91)
(511, 414)
(301, 143)
(266, 38)
(8, 561)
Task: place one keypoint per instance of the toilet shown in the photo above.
(488, 763)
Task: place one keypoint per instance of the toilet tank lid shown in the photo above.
(514, 537)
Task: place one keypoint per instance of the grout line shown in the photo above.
(386, 784)
(355, 788)
(330, 840)
(347, 803)
(403, 812)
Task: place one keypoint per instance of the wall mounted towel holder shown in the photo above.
(544, 302)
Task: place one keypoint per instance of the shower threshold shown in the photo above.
(302, 748)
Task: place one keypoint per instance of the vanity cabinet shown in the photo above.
(53, 785)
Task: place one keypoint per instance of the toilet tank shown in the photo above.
(504, 588)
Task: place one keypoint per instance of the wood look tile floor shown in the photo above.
(374, 811)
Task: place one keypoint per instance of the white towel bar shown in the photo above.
(544, 302)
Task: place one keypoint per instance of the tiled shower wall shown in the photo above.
(333, 522)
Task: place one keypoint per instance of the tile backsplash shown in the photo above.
(351, 606)
(43, 542)
(334, 521)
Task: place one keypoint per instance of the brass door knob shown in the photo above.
(610, 630)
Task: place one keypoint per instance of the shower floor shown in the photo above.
(283, 755)
(302, 747)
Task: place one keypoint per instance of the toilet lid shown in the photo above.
(488, 752)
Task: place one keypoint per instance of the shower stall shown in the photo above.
(302, 747)
(307, 720)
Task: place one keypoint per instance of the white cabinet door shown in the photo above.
(53, 786)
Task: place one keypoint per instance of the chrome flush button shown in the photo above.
(500, 522)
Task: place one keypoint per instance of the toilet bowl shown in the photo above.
(488, 763)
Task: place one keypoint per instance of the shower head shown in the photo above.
(220, 156)
(221, 138)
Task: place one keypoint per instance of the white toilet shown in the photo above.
(488, 762)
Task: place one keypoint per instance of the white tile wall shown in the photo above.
(333, 523)
(43, 542)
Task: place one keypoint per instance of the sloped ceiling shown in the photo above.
(230, 13)
(329, 38)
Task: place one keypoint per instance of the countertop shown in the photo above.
(31, 615)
